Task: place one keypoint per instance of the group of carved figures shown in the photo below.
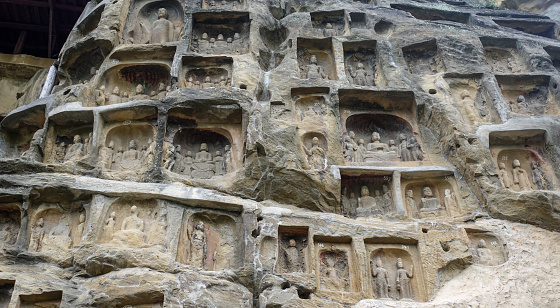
(133, 230)
(407, 150)
(73, 152)
(522, 106)
(130, 160)
(191, 83)
(382, 286)
(159, 32)
(311, 111)
(219, 45)
(57, 238)
(428, 202)
(202, 166)
(521, 180)
(366, 205)
(117, 97)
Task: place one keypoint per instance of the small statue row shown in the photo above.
(130, 160)
(133, 230)
(117, 97)
(219, 45)
(381, 285)
(75, 151)
(520, 180)
(407, 150)
(190, 83)
(202, 166)
(366, 205)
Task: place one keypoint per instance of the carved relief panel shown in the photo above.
(529, 94)
(315, 148)
(502, 56)
(487, 248)
(154, 22)
(134, 223)
(472, 100)
(521, 160)
(379, 128)
(69, 138)
(224, 4)
(208, 241)
(360, 61)
(293, 250)
(395, 270)
(431, 197)
(367, 196)
(10, 222)
(220, 33)
(316, 59)
(335, 266)
(128, 148)
(329, 23)
(54, 228)
(206, 72)
(422, 58)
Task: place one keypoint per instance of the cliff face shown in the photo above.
(288, 154)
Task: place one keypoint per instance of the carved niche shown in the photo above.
(45, 299)
(224, 4)
(316, 59)
(540, 27)
(6, 290)
(487, 248)
(367, 196)
(395, 269)
(503, 56)
(535, 94)
(311, 106)
(206, 72)
(154, 22)
(315, 148)
(423, 58)
(432, 13)
(360, 61)
(335, 265)
(293, 250)
(431, 197)
(358, 20)
(10, 222)
(128, 148)
(220, 33)
(379, 128)
(329, 23)
(23, 135)
(472, 100)
(69, 137)
(134, 224)
(56, 227)
(208, 241)
(151, 299)
(201, 144)
(521, 161)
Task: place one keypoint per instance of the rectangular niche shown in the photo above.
(336, 267)
(293, 250)
(385, 253)
(360, 61)
(211, 240)
(6, 290)
(310, 106)
(503, 56)
(529, 94)
(537, 27)
(45, 299)
(472, 99)
(358, 20)
(330, 23)
(280, 111)
(368, 195)
(144, 26)
(486, 247)
(380, 128)
(69, 137)
(206, 72)
(224, 4)
(191, 128)
(127, 146)
(19, 131)
(522, 161)
(316, 59)
(430, 194)
(432, 14)
(554, 53)
(220, 33)
(423, 58)
(10, 223)
(152, 299)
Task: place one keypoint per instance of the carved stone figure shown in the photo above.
(37, 235)
(139, 93)
(75, 151)
(380, 275)
(254, 129)
(106, 156)
(387, 199)
(80, 227)
(59, 236)
(415, 150)
(403, 280)
(158, 230)
(163, 30)
(349, 149)
(361, 152)
(132, 230)
(100, 97)
(162, 90)
(359, 76)
(203, 165)
(484, 255)
(34, 153)
(520, 177)
(115, 97)
(428, 202)
(315, 71)
(219, 164)
(449, 199)
(60, 152)
(329, 31)
(468, 107)
(198, 246)
(130, 159)
(392, 146)
(410, 201)
(109, 227)
(331, 279)
(403, 151)
(504, 176)
(169, 157)
(538, 177)
(293, 261)
(366, 201)
(228, 159)
(315, 155)
(377, 146)
(188, 163)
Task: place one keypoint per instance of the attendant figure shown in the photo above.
(520, 177)
(505, 180)
(538, 177)
(291, 254)
(316, 155)
(359, 76)
(403, 151)
(380, 276)
(403, 281)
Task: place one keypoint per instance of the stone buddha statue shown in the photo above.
(428, 202)
(75, 151)
(163, 30)
(315, 71)
(132, 230)
(203, 164)
(376, 145)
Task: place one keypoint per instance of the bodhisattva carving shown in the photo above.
(75, 151)
(349, 204)
(468, 107)
(293, 261)
(403, 280)
(329, 31)
(109, 226)
(334, 273)
(80, 227)
(159, 32)
(132, 230)
(53, 240)
(484, 255)
(428, 202)
(219, 45)
(198, 246)
(37, 235)
(315, 155)
(521, 180)
(359, 75)
(381, 286)
(449, 199)
(539, 178)
(106, 156)
(410, 201)
(34, 153)
(314, 70)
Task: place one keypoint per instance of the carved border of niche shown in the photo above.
(303, 241)
(389, 249)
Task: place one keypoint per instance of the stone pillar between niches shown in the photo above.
(399, 204)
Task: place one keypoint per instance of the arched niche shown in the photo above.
(10, 222)
(128, 77)
(69, 137)
(134, 223)
(487, 248)
(140, 22)
(316, 156)
(389, 257)
(387, 125)
(208, 241)
(442, 202)
(53, 229)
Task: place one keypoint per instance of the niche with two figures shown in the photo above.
(153, 22)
